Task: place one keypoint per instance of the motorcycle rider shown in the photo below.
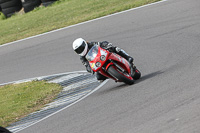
(82, 47)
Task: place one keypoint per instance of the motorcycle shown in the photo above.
(111, 65)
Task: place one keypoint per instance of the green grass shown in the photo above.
(18, 100)
(62, 13)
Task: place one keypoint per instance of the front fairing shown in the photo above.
(94, 56)
(120, 61)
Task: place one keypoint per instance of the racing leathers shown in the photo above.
(108, 46)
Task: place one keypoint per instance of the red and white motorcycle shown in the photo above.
(111, 65)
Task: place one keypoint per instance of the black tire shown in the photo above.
(47, 3)
(4, 130)
(112, 71)
(137, 74)
(11, 3)
(3, 1)
(10, 11)
(30, 5)
(44, 1)
(28, 8)
(25, 1)
(0, 9)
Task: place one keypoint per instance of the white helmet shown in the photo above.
(80, 46)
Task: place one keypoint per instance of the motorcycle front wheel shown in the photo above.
(113, 71)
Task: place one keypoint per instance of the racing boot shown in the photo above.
(133, 69)
(122, 53)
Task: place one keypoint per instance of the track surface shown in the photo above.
(165, 42)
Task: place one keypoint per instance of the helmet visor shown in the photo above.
(81, 48)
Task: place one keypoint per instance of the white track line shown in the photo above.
(40, 77)
(69, 105)
(71, 72)
(84, 22)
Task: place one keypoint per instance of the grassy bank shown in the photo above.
(18, 100)
(62, 13)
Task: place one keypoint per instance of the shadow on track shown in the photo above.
(148, 76)
(123, 86)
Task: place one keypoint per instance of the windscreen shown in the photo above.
(92, 53)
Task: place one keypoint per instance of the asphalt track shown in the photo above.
(165, 42)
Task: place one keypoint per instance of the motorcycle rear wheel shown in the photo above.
(137, 74)
(120, 76)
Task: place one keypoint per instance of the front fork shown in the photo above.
(105, 67)
(111, 63)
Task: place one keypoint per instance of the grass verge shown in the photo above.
(62, 13)
(18, 100)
